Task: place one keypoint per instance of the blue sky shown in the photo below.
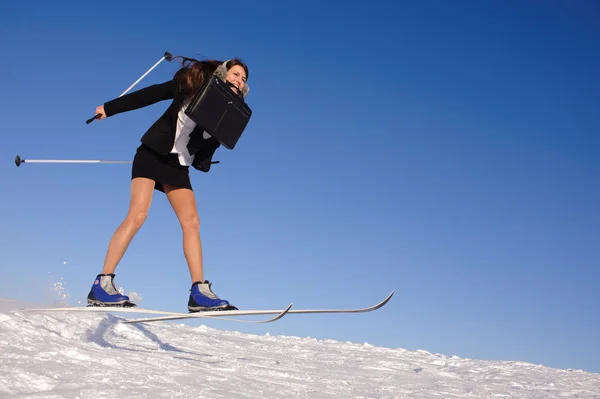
(445, 150)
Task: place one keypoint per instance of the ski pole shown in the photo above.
(166, 56)
(19, 161)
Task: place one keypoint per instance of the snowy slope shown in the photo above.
(91, 355)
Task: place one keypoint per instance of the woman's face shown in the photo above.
(237, 76)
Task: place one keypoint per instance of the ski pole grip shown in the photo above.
(92, 119)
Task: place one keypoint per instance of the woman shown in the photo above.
(169, 147)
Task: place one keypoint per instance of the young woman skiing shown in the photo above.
(168, 148)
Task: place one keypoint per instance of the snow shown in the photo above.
(89, 355)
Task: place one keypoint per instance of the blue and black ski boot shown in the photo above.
(202, 298)
(104, 293)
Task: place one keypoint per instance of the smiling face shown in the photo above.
(237, 77)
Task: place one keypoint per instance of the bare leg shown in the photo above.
(141, 197)
(183, 202)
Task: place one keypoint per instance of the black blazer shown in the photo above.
(161, 135)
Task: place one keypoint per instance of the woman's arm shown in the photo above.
(138, 99)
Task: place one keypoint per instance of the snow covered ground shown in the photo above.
(92, 355)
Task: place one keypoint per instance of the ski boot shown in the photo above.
(104, 293)
(202, 299)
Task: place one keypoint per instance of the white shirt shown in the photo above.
(185, 126)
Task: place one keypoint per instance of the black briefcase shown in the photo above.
(220, 111)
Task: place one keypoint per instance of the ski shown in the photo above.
(179, 316)
(213, 314)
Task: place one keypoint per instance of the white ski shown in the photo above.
(225, 314)
(213, 314)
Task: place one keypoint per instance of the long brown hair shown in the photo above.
(193, 73)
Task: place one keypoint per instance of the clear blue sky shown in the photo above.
(445, 150)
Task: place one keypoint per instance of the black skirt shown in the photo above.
(163, 169)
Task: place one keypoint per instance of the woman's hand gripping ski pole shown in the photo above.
(100, 111)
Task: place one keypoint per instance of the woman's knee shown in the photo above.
(190, 222)
(137, 218)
